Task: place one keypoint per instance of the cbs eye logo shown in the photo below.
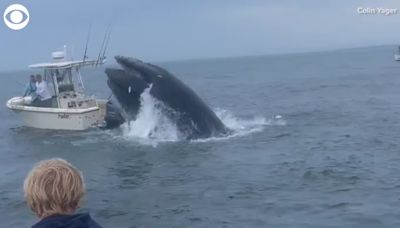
(16, 17)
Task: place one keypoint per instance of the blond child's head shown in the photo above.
(54, 186)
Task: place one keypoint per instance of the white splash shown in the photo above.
(243, 126)
(152, 127)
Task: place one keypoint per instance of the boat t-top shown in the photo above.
(71, 108)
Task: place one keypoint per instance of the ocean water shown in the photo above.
(316, 144)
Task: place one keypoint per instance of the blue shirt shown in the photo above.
(30, 88)
(67, 221)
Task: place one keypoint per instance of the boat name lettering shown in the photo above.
(63, 116)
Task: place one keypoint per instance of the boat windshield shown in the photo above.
(63, 77)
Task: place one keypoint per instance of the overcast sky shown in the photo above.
(165, 30)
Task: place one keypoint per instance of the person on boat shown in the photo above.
(30, 89)
(54, 190)
(43, 94)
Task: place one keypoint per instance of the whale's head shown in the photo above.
(127, 88)
(128, 83)
(193, 117)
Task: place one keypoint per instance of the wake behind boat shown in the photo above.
(69, 107)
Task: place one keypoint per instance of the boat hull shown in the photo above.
(59, 119)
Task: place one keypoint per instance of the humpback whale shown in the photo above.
(192, 116)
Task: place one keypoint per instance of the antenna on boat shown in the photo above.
(72, 52)
(87, 43)
(65, 51)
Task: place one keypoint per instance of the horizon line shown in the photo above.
(194, 59)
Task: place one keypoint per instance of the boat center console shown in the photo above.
(74, 100)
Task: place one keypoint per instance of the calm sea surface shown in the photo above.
(316, 145)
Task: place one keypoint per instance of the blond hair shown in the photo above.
(54, 186)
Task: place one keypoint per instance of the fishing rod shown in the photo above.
(87, 43)
(102, 47)
(20, 83)
(105, 48)
(102, 53)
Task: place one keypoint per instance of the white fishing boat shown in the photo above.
(397, 54)
(71, 108)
